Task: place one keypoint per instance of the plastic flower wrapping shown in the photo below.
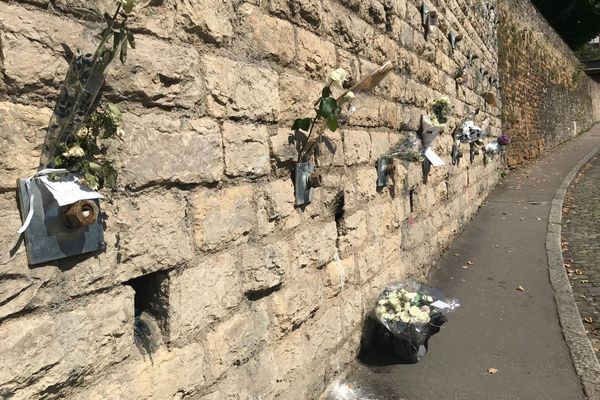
(408, 308)
(408, 149)
(471, 133)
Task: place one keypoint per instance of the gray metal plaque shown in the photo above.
(47, 238)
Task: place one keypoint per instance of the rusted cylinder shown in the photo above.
(79, 214)
(315, 180)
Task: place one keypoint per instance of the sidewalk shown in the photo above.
(497, 326)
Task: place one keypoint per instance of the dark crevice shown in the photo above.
(411, 199)
(254, 295)
(297, 325)
(150, 311)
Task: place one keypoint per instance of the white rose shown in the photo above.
(421, 318)
(428, 299)
(394, 301)
(380, 310)
(382, 302)
(74, 152)
(405, 317)
(350, 96)
(339, 76)
(414, 311)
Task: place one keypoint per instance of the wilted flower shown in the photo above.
(339, 76)
(74, 152)
(83, 133)
(504, 139)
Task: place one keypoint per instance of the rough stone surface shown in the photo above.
(243, 293)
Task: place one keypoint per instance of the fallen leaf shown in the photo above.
(469, 262)
(456, 254)
(520, 288)
(538, 218)
(508, 251)
(585, 281)
(465, 267)
(578, 272)
(492, 371)
(588, 320)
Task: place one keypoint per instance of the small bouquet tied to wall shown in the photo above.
(59, 204)
(498, 145)
(417, 149)
(411, 313)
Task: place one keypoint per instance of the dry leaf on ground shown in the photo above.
(520, 288)
(492, 371)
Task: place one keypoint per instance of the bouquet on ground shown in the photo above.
(412, 312)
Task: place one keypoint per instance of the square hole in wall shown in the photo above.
(150, 308)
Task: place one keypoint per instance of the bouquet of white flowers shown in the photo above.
(411, 313)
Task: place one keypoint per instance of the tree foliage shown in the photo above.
(577, 21)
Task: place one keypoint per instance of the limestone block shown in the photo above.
(211, 20)
(202, 295)
(283, 148)
(32, 55)
(307, 13)
(237, 89)
(152, 233)
(158, 73)
(46, 352)
(347, 30)
(236, 340)
(380, 144)
(332, 149)
(390, 114)
(22, 133)
(315, 244)
(246, 149)
(367, 112)
(164, 375)
(161, 147)
(366, 182)
(271, 37)
(357, 146)
(315, 55)
(353, 232)
(222, 216)
(301, 296)
(263, 266)
(280, 198)
(298, 95)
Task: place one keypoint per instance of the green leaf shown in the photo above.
(114, 110)
(110, 175)
(326, 92)
(128, 5)
(123, 56)
(131, 39)
(301, 123)
(94, 167)
(332, 123)
(328, 107)
(91, 180)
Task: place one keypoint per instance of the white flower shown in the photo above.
(339, 76)
(382, 302)
(410, 296)
(414, 311)
(380, 310)
(405, 317)
(350, 96)
(394, 301)
(421, 318)
(74, 152)
(428, 299)
(83, 133)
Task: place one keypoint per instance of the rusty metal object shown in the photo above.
(79, 214)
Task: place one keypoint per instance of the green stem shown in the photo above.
(95, 64)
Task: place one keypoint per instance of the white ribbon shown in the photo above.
(46, 171)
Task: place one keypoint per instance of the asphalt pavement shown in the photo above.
(508, 320)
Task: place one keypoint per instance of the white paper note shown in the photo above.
(436, 161)
(68, 190)
(440, 304)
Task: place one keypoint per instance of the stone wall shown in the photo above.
(595, 94)
(245, 296)
(546, 95)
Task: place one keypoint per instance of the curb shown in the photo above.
(584, 359)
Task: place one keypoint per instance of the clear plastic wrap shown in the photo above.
(471, 133)
(408, 149)
(412, 312)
